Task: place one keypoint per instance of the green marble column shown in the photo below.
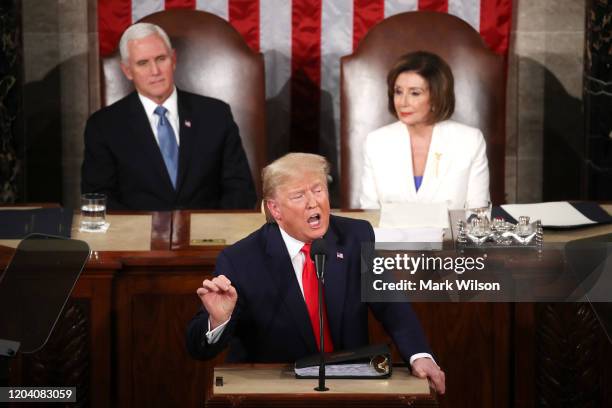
(597, 96)
(10, 100)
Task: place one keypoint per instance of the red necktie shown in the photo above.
(311, 295)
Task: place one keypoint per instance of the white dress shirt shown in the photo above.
(171, 104)
(294, 247)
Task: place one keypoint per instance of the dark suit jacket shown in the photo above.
(122, 158)
(270, 322)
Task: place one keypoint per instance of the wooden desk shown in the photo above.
(79, 351)
(131, 308)
(276, 385)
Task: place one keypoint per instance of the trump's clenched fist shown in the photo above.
(219, 298)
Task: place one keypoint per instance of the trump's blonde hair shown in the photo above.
(287, 168)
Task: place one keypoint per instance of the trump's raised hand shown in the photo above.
(219, 298)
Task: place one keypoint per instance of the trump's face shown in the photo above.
(301, 207)
(151, 66)
(411, 99)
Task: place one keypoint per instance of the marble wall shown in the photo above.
(543, 101)
(57, 38)
(11, 148)
(598, 99)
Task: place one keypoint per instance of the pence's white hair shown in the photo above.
(138, 31)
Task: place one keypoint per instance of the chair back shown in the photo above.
(212, 60)
(479, 88)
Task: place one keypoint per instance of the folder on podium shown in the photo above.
(372, 361)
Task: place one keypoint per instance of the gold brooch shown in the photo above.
(438, 156)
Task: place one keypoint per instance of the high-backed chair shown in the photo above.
(479, 88)
(213, 60)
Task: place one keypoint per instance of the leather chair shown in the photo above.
(213, 60)
(479, 88)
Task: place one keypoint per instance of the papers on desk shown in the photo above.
(355, 370)
(408, 234)
(412, 222)
(413, 215)
(559, 214)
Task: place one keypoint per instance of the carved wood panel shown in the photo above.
(64, 360)
(570, 362)
(466, 336)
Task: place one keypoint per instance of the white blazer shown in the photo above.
(456, 170)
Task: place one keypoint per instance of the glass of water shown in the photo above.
(93, 211)
(478, 209)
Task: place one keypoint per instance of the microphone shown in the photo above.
(318, 254)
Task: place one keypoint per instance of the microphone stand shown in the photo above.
(320, 268)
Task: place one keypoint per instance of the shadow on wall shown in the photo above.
(42, 138)
(563, 157)
(329, 140)
(319, 136)
(278, 115)
(43, 133)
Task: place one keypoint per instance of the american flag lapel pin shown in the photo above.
(339, 255)
(188, 123)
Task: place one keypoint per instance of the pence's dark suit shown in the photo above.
(122, 158)
(270, 322)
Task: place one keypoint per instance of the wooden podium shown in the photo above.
(265, 385)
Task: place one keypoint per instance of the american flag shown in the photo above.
(302, 42)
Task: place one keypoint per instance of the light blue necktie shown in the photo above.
(167, 143)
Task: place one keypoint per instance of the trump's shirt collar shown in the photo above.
(293, 245)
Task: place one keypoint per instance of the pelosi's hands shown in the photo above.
(219, 298)
(427, 368)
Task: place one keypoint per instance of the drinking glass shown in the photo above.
(479, 209)
(93, 211)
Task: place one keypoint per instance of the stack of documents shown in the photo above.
(412, 222)
(560, 214)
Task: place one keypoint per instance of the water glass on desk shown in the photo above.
(93, 211)
(478, 210)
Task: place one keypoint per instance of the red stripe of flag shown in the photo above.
(244, 16)
(495, 23)
(305, 74)
(185, 4)
(434, 5)
(366, 13)
(114, 16)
